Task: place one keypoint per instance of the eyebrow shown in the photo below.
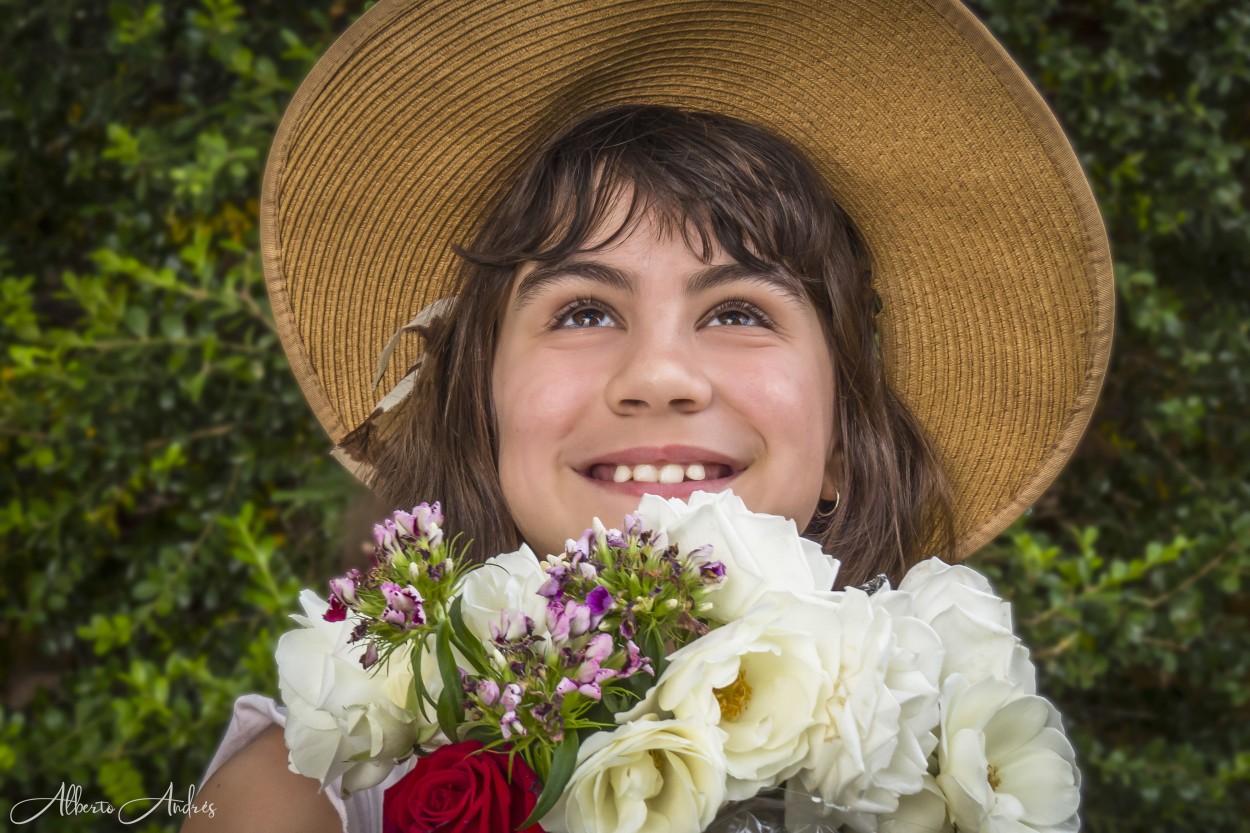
(710, 278)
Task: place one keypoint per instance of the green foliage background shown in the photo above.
(165, 491)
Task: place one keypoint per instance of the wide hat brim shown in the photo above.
(988, 250)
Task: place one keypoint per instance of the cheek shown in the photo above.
(792, 393)
(535, 401)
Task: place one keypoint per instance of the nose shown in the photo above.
(659, 372)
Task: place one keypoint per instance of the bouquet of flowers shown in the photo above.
(692, 671)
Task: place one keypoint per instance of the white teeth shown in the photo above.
(646, 474)
(672, 473)
(668, 473)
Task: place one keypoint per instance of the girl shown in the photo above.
(664, 299)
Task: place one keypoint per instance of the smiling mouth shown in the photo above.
(659, 472)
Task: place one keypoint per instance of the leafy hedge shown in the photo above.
(165, 491)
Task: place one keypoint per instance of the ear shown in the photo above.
(830, 485)
(829, 489)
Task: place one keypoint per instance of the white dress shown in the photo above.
(253, 714)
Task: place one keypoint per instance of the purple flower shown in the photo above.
(558, 626)
(599, 601)
(511, 697)
(344, 589)
(406, 524)
(578, 616)
(510, 725)
(713, 572)
(421, 524)
(370, 656)
(488, 692)
(429, 516)
(553, 587)
(437, 571)
(386, 535)
(633, 524)
(403, 606)
(599, 648)
(579, 549)
(568, 686)
(512, 625)
(628, 627)
(635, 661)
(337, 611)
(549, 715)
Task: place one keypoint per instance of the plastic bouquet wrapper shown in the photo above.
(689, 671)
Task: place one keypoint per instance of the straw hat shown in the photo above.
(989, 253)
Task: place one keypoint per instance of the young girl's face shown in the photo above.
(639, 368)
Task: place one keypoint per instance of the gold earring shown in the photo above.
(837, 499)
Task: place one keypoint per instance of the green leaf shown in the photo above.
(653, 647)
(137, 321)
(465, 642)
(450, 709)
(562, 764)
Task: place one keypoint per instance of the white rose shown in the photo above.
(876, 731)
(338, 709)
(505, 582)
(1003, 761)
(761, 553)
(759, 680)
(649, 775)
(973, 623)
(922, 812)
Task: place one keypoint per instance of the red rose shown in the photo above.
(460, 789)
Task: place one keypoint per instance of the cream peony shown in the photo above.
(1004, 763)
(974, 624)
(761, 553)
(337, 709)
(653, 775)
(760, 681)
(875, 733)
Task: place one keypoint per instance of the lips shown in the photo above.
(660, 472)
(669, 471)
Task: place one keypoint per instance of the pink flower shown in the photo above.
(488, 692)
(344, 589)
(337, 611)
(403, 606)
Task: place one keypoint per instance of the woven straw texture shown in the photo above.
(988, 250)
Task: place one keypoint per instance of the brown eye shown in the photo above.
(583, 315)
(737, 314)
(734, 316)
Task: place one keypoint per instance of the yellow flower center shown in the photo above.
(657, 759)
(734, 698)
(992, 777)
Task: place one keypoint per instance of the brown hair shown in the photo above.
(716, 180)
